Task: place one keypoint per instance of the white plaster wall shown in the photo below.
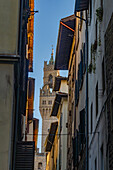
(6, 112)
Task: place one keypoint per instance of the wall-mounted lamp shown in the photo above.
(34, 12)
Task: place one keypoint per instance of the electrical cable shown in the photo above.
(62, 134)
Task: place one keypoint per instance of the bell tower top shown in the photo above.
(51, 61)
(49, 72)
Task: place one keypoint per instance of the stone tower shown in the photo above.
(47, 97)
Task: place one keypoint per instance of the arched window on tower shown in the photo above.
(40, 165)
(50, 81)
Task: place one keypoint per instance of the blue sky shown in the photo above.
(46, 26)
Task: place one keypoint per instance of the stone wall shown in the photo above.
(40, 158)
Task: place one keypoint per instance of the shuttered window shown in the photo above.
(82, 122)
(76, 93)
(90, 10)
(91, 121)
(81, 135)
(80, 139)
(84, 60)
(75, 151)
(78, 84)
(81, 70)
(25, 155)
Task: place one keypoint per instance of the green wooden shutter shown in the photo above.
(81, 69)
(84, 60)
(76, 92)
(79, 140)
(78, 84)
(82, 122)
(75, 151)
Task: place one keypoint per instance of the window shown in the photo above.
(97, 99)
(102, 158)
(91, 121)
(90, 10)
(96, 30)
(82, 125)
(44, 102)
(84, 60)
(81, 21)
(40, 165)
(76, 86)
(81, 70)
(50, 102)
(77, 36)
(50, 79)
(50, 90)
(103, 76)
(43, 92)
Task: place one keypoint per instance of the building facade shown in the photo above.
(30, 34)
(90, 124)
(87, 55)
(56, 141)
(13, 89)
(100, 85)
(65, 60)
